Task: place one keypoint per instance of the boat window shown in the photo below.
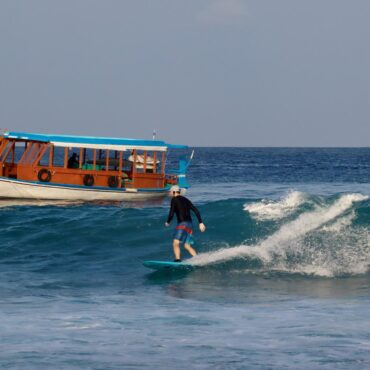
(88, 159)
(73, 158)
(18, 151)
(33, 153)
(44, 160)
(109, 160)
(152, 162)
(147, 161)
(126, 162)
(5, 155)
(58, 158)
(139, 160)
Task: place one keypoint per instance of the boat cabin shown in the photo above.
(83, 161)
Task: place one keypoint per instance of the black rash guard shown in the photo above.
(182, 207)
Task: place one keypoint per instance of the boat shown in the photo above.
(85, 168)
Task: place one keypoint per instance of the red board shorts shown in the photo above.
(184, 232)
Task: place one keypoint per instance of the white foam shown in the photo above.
(340, 224)
(288, 240)
(274, 210)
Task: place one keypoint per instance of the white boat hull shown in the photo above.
(10, 188)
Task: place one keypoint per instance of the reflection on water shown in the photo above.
(10, 202)
(7, 202)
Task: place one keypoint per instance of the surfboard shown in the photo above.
(168, 265)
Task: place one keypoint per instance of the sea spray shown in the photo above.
(274, 210)
(299, 246)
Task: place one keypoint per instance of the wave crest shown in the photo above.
(274, 210)
(320, 242)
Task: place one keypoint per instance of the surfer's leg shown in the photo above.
(176, 248)
(190, 249)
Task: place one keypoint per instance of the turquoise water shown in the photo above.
(283, 279)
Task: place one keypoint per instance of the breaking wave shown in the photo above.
(274, 210)
(323, 240)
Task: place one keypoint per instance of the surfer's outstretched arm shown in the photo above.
(202, 227)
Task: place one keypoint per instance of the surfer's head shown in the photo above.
(175, 190)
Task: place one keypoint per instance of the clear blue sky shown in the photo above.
(201, 72)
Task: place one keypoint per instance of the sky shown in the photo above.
(199, 72)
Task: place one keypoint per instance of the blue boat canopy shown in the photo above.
(94, 142)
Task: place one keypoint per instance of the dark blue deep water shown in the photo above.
(283, 279)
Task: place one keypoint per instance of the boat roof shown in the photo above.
(94, 142)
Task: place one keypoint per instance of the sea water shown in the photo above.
(282, 281)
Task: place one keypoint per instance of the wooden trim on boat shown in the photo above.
(65, 157)
(51, 155)
(94, 160)
(107, 160)
(155, 162)
(120, 168)
(80, 158)
(163, 162)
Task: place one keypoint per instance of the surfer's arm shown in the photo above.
(172, 212)
(202, 227)
(196, 212)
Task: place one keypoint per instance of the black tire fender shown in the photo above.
(88, 180)
(44, 175)
(113, 181)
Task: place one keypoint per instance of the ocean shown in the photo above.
(282, 278)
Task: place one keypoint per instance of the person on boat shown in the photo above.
(73, 161)
(184, 229)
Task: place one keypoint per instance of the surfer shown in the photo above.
(184, 229)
